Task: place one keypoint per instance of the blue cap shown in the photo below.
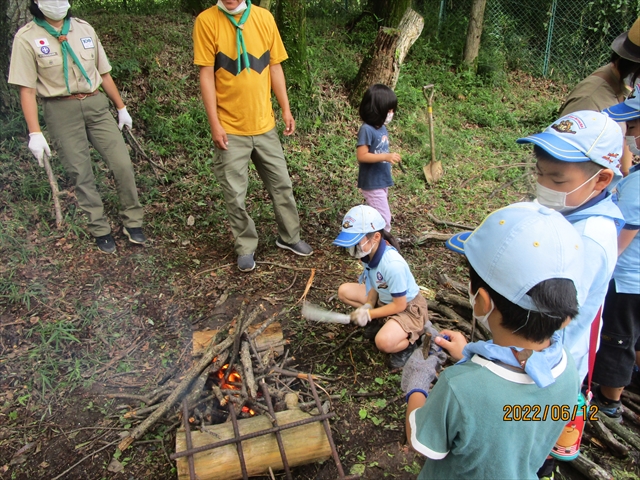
(357, 223)
(627, 110)
(583, 136)
(519, 246)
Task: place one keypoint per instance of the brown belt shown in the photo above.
(75, 96)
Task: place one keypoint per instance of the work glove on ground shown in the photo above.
(39, 147)
(124, 118)
(418, 373)
(361, 315)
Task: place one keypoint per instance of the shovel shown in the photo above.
(433, 170)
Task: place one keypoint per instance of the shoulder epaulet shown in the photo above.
(25, 28)
(79, 20)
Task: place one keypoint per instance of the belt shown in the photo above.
(75, 96)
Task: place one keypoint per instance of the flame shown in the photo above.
(234, 377)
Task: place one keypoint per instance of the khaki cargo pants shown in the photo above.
(231, 168)
(72, 124)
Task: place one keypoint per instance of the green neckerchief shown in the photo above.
(242, 48)
(66, 48)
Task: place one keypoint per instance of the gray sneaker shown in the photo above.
(135, 235)
(106, 244)
(246, 262)
(301, 248)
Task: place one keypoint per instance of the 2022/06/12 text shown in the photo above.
(539, 413)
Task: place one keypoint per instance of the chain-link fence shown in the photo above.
(554, 38)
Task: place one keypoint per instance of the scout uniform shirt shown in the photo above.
(36, 60)
(627, 271)
(389, 274)
(600, 90)
(243, 99)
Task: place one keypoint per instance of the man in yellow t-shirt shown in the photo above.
(238, 49)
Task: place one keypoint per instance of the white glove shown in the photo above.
(124, 118)
(361, 315)
(39, 147)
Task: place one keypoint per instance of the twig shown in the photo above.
(279, 265)
(83, 459)
(342, 344)
(135, 345)
(202, 272)
(308, 286)
(129, 396)
(508, 184)
(213, 350)
(436, 220)
(423, 237)
(266, 323)
(55, 191)
(138, 149)
(295, 277)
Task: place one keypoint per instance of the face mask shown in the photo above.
(54, 9)
(558, 200)
(387, 120)
(356, 250)
(631, 143)
(482, 319)
(240, 8)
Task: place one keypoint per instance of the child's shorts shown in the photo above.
(413, 318)
(620, 334)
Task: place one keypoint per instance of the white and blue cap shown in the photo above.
(357, 223)
(583, 136)
(519, 246)
(627, 110)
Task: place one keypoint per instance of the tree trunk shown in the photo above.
(266, 4)
(291, 17)
(390, 12)
(474, 32)
(13, 15)
(382, 63)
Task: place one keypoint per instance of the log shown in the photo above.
(606, 437)
(213, 350)
(460, 322)
(623, 432)
(631, 396)
(453, 299)
(632, 416)
(271, 337)
(302, 445)
(629, 404)
(589, 469)
(247, 368)
(447, 282)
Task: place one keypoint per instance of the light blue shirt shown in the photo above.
(389, 274)
(627, 272)
(598, 225)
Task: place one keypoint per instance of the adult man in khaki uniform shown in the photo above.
(61, 60)
(606, 86)
(238, 49)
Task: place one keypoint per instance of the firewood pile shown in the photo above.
(244, 406)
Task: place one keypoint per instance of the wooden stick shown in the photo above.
(447, 282)
(212, 351)
(83, 459)
(631, 396)
(589, 469)
(308, 286)
(631, 416)
(266, 323)
(453, 299)
(623, 432)
(135, 144)
(245, 359)
(461, 323)
(605, 435)
(423, 237)
(55, 191)
(437, 221)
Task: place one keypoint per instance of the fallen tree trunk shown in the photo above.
(589, 469)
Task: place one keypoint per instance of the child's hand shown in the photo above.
(394, 158)
(361, 316)
(453, 346)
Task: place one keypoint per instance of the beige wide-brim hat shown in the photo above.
(627, 45)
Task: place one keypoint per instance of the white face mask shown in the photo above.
(240, 8)
(631, 143)
(356, 250)
(387, 120)
(558, 200)
(54, 9)
(482, 319)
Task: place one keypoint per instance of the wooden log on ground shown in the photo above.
(631, 416)
(589, 469)
(460, 322)
(449, 283)
(271, 337)
(605, 436)
(453, 299)
(302, 445)
(623, 432)
(629, 404)
(634, 397)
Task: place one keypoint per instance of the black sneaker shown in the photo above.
(135, 235)
(611, 408)
(301, 248)
(372, 328)
(398, 359)
(106, 243)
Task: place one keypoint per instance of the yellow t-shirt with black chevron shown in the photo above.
(243, 99)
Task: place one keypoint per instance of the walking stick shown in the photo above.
(54, 188)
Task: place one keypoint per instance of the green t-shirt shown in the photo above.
(462, 429)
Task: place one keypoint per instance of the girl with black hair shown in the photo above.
(374, 159)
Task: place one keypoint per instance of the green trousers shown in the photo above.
(72, 124)
(231, 168)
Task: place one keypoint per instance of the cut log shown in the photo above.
(460, 322)
(623, 432)
(302, 445)
(271, 337)
(589, 469)
(631, 396)
(605, 436)
(453, 299)
(247, 368)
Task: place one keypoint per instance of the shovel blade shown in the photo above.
(433, 172)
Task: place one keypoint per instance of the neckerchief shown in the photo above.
(538, 366)
(241, 47)
(66, 48)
